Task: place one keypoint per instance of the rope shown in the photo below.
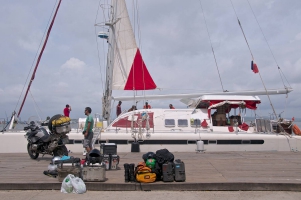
(212, 48)
(268, 46)
(253, 59)
(35, 56)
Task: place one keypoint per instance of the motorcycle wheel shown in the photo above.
(61, 151)
(31, 153)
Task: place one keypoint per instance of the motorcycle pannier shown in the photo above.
(95, 173)
(62, 124)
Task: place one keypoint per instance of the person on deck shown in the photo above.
(147, 106)
(88, 133)
(132, 108)
(67, 110)
(171, 106)
(118, 108)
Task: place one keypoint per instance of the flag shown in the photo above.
(254, 67)
(293, 119)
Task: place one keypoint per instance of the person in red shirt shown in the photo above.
(146, 106)
(67, 110)
(118, 108)
(171, 106)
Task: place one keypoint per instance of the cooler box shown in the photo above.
(94, 174)
(179, 171)
(108, 148)
(167, 171)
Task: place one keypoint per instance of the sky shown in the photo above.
(173, 39)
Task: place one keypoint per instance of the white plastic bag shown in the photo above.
(67, 184)
(79, 186)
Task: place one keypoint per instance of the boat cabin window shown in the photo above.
(182, 122)
(195, 123)
(169, 122)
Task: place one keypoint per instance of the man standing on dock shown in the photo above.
(88, 133)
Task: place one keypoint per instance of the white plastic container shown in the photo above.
(200, 146)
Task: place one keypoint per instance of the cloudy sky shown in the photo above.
(174, 43)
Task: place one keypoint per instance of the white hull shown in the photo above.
(14, 142)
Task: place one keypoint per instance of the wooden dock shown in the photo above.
(204, 171)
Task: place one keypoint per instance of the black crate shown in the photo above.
(108, 148)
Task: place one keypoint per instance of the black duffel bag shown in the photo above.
(163, 156)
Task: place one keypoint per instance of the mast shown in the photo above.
(39, 58)
(107, 98)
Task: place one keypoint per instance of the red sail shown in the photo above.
(139, 78)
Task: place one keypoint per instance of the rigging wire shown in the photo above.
(35, 105)
(140, 44)
(269, 47)
(96, 38)
(212, 47)
(279, 69)
(36, 54)
(253, 59)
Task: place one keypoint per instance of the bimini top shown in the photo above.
(213, 101)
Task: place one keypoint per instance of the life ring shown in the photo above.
(296, 130)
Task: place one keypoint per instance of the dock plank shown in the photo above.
(210, 171)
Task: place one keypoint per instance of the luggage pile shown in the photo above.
(156, 167)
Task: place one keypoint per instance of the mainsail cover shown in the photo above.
(129, 69)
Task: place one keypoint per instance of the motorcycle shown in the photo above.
(43, 141)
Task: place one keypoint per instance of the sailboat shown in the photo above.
(185, 130)
(177, 129)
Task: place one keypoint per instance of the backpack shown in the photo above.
(144, 174)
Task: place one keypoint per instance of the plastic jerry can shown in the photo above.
(179, 167)
(167, 171)
(114, 161)
(106, 161)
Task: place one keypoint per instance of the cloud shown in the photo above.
(270, 4)
(74, 64)
(298, 36)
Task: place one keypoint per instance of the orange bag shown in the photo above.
(144, 174)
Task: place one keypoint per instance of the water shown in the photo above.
(20, 126)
